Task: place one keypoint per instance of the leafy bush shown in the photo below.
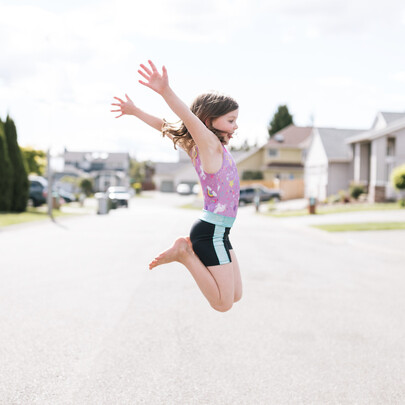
(137, 187)
(356, 190)
(87, 186)
(252, 175)
(344, 197)
(398, 181)
(398, 177)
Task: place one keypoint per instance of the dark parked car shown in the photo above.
(247, 194)
(68, 197)
(37, 192)
(119, 196)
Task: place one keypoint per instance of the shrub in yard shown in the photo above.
(252, 175)
(137, 187)
(356, 190)
(398, 181)
(344, 197)
(334, 198)
(86, 186)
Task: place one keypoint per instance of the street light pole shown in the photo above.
(49, 197)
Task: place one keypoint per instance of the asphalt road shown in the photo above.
(83, 320)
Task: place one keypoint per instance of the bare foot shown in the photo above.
(180, 248)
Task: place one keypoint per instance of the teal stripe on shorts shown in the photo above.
(219, 246)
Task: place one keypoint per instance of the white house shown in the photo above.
(329, 163)
(376, 152)
(168, 175)
(106, 169)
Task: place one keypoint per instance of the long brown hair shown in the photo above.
(206, 107)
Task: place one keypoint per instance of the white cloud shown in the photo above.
(400, 77)
(335, 81)
(339, 17)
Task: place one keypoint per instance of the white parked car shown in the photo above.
(119, 196)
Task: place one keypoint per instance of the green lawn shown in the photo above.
(365, 226)
(32, 214)
(335, 209)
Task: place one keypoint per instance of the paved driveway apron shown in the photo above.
(83, 320)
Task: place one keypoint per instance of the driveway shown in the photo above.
(83, 321)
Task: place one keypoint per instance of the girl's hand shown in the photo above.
(155, 81)
(126, 107)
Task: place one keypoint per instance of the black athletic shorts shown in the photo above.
(211, 240)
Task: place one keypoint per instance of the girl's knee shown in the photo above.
(238, 296)
(222, 307)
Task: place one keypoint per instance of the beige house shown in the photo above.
(281, 160)
(282, 157)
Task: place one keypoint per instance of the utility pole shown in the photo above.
(49, 197)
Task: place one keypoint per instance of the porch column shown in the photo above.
(357, 166)
(377, 170)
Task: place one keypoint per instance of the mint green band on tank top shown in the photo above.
(217, 219)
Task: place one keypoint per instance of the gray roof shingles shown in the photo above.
(333, 142)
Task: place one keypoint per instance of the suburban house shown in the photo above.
(339, 157)
(106, 169)
(377, 152)
(282, 157)
(281, 161)
(329, 163)
(168, 175)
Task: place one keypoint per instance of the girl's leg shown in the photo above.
(215, 282)
(236, 277)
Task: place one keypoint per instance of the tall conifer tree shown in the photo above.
(281, 119)
(20, 184)
(5, 173)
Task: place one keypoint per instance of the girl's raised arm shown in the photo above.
(128, 108)
(203, 137)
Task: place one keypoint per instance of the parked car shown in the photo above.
(247, 194)
(187, 188)
(119, 196)
(68, 197)
(37, 191)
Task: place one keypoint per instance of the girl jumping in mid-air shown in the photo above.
(204, 130)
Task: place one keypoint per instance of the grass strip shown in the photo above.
(362, 226)
(32, 214)
(324, 210)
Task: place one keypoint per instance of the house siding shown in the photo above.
(253, 162)
(338, 176)
(284, 155)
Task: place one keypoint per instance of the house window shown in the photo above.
(273, 152)
(391, 147)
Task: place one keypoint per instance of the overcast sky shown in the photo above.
(334, 62)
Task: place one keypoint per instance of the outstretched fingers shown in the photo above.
(144, 75)
(146, 69)
(154, 70)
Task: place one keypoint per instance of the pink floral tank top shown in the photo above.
(220, 189)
